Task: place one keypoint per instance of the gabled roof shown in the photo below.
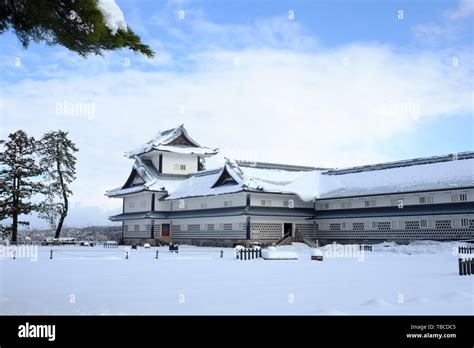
(227, 177)
(153, 181)
(173, 140)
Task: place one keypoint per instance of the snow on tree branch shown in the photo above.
(113, 15)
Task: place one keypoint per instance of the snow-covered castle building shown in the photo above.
(170, 196)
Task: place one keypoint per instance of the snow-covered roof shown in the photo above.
(163, 141)
(448, 174)
(410, 176)
(245, 178)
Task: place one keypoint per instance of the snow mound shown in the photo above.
(418, 300)
(376, 302)
(316, 252)
(419, 247)
(113, 15)
(272, 254)
(458, 295)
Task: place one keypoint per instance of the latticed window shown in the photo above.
(323, 205)
(358, 226)
(335, 227)
(210, 227)
(227, 227)
(426, 199)
(194, 228)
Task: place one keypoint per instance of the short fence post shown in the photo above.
(460, 266)
(222, 254)
(51, 254)
(126, 255)
(464, 268)
(468, 266)
(260, 253)
(157, 254)
(471, 263)
(14, 254)
(240, 252)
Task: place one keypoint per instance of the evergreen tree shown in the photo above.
(76, 24)
(59, 165)
(18, 171)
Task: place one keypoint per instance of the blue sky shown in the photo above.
(339, 83)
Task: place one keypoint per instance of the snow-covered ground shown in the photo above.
(417, 279)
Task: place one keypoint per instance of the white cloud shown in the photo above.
(465, 9)
(450, 27)
(193, 31)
